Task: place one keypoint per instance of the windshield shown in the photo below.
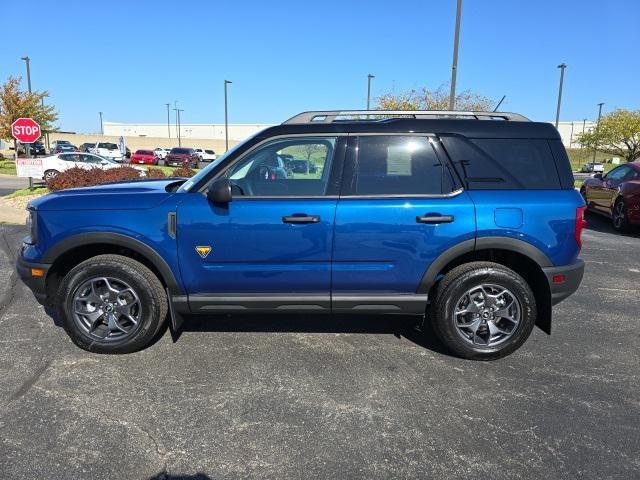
(186, 186)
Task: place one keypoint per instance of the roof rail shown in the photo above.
(331, 116)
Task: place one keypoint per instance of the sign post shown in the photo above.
(26, 130)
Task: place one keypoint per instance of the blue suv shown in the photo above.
(468, 220)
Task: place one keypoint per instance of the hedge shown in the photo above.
(80, 177)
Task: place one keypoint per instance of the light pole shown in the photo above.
(101, 125)
(27, 60)
(595, 146)
(369, 77)
(562, 66)
(178, 110)
(168, 121)
(226, 118)
(454, 65)
(571, 135)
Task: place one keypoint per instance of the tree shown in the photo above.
(15, 104)
(438, 99)
(617, 134)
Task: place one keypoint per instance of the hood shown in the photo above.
(133, 195)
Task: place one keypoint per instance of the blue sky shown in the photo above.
(129, 58)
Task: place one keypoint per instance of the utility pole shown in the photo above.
(595, 147)
(27, 147)
(454, 65)
(226, 118)
(562, 66)
(369, 77)
(101, 124)
(168, 121)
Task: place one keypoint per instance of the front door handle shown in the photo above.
(434, 219)
(301, 219)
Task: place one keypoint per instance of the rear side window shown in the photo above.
(503, 164)
(399, 165)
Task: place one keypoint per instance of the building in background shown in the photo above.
(569, 131)
(237, 131)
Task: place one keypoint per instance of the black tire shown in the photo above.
(465, 277)
(619, 217)
(50, 175)
(152, 310)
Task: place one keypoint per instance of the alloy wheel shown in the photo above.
(107, 309)
(487, 315)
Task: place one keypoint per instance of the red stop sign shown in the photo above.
(25, 130)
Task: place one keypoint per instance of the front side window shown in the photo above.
(268, 170)
(399, 165)
(618, 173)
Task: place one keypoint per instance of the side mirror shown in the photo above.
(598, 176)
(103, 162)
(220, 191)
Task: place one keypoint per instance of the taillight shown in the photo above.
(580, 224)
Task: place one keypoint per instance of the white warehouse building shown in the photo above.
(569, 131)
(237, 131)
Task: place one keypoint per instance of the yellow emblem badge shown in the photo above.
(203, 251)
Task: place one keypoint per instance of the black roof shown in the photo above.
(467, 127)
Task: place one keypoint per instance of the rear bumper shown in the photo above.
(36, 284)
(572, 277)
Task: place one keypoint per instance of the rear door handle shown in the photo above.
(301, 219)
(433, 219)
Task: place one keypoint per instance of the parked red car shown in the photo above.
(146, 157)
(182, 157)
(615, 194)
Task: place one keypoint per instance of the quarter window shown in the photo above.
(399, 165)
(272, 170)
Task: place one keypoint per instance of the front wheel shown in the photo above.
(483, 311)
(111, 304)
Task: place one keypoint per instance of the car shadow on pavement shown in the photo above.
(600, 223)
(401, 326)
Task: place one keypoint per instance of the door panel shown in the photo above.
(395, 216)
(380, 247)
(253, 251)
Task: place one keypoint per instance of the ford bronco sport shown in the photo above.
(468, 220)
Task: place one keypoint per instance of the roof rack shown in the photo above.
(331, 116)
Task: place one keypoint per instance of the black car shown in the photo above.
(35, 149)
(86, 146)
(303, 166)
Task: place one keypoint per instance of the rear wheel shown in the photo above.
(619, 217)
(483, 311)
(111, 304)
(50, 175)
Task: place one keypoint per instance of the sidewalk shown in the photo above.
(12, 214)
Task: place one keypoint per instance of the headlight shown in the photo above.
(32, 227)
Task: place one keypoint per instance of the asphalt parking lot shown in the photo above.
(322, 397)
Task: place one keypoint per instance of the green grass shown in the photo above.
(578, 157)
(8, 167)
(23, 192)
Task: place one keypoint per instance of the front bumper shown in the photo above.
(572, 276)
(37, 284)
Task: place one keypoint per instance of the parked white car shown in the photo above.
(593, 167)
(108, 150)
(55, 164)
(160, 152)
(205, 154)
